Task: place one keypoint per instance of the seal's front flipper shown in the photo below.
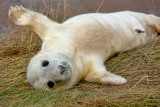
(113, 79)
(102, 76)
(37, 22)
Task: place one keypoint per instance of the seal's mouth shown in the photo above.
(56, 86)
(65, 84)
(61, 82)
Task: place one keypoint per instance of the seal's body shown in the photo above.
(77, 49)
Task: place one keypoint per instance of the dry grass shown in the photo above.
(140, 66)
(20, 41)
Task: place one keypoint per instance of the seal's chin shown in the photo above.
(59, 86)
(60, 83)
(64, 85)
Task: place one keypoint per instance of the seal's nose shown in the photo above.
(50, 84)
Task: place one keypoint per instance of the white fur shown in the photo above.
(114, 79)
(85, 42)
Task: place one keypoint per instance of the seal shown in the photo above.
(76, 49)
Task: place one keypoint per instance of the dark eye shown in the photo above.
(50, 84)
(45, 63)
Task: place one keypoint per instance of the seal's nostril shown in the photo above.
(50, 84)
(62, 69)
(45, 63)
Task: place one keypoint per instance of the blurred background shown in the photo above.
(75, 7)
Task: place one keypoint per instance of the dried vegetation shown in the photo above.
(140, 66)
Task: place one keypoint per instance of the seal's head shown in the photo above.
(48, 70)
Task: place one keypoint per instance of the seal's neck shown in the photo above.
(78, 70)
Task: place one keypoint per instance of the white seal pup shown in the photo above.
(77, 48)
